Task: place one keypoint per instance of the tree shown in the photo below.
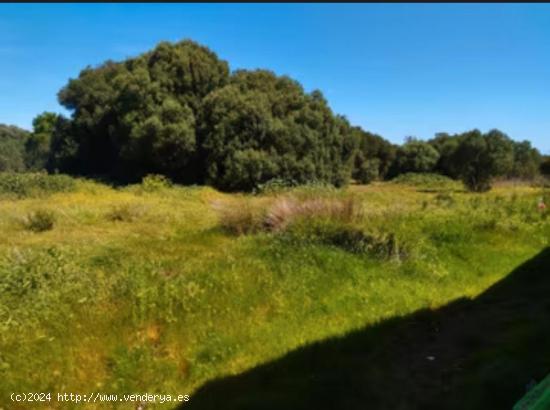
(139, 116)
(64, 148)
(480, 157)
(373, 157)
(527, 160)
(446, 145)
(261, 126)
(545, 165)
(37, 146)
(415, 156)
(12, 148)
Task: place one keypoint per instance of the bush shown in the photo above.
(428, 181)
(249, 216)
(286, 210)
(348, 237)
(240, 217)
(275, 186)
(355, 240)
(445, 199)
(125, 213)
(34, 184)
(40, 221)
(155, 182)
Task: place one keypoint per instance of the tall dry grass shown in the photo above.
(252, 216)
(286, 210)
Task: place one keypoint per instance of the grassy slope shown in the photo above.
(168, 301)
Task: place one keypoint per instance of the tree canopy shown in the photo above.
(415, 156)
(139, 116)
(12, 148)
(261, 126)
(177, 110)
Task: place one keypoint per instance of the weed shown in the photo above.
(285, 210)
(240, 217)
(125, 213)
(155, 183)
(39, 221)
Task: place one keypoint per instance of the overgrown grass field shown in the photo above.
(157, 288)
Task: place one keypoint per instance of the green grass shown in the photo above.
(142, 290)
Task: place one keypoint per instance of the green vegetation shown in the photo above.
(430, 182)
(12, 146)
(164, 289)
(23, 185)
(178, 111)
(39, 221)
(152, 286)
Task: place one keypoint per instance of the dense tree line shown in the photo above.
(12, 148)
(179, 111)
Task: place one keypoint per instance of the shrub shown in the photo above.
(348, 237)
(155, 182)
(40, 221)
(275, 186)
(125, 213)
(287, 209)
(240, 217)
(444, 198)
(427, 181)
(34, 184)
(356, 240)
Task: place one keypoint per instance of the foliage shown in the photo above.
(177, 111)
(22, 185)
(527, 161)
(373, 157)
(138, 116)
(260, 127)
(92, 302)
(346, 236)
(487, 156)
(155, 182)
(480, 157)
(241, 217)
(415, 156)
(12, 148)
(40, 221)
(37, 146)
(276, 215)
(125, 213)
(446, 146)
(545, 165)
(427, 181)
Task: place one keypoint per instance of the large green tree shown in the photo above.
(261, 126)
(374, 156)
(37, 145)
(480, 157)
(527, 160)
(12, 148)
(414, 156)
(139, 116)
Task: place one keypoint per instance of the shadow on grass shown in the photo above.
(470, 354)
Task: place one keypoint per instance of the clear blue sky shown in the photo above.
(394, 69)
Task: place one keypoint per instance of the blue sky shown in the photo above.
(394, 69)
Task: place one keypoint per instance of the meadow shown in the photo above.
(160, 289)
